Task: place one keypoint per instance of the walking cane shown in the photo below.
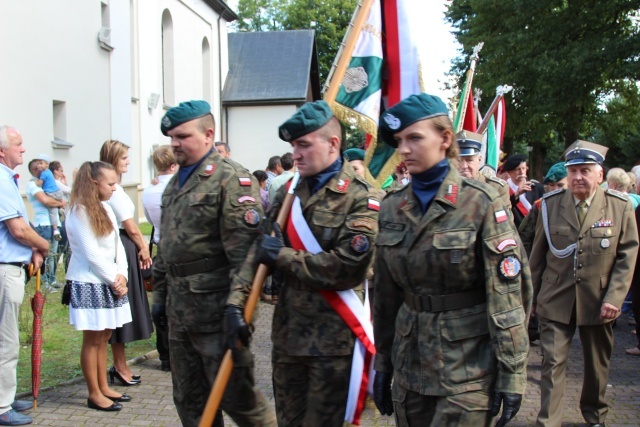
(220, 383)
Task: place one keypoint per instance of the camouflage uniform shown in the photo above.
(500, 186)
(312, 346)
(446, 322)
(207, 228)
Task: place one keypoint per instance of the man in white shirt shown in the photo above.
(166, 165)
(286, 162)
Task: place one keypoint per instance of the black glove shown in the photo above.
(159, 314)
(235, 328)
(269, 247)
(510, 406)
(382, 392)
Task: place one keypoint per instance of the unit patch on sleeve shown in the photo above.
(245, 181)
(360, 243)
(373, 204)
(246, 199)
(506, 243)
(510, 267)
(501, 216)
(251, 217)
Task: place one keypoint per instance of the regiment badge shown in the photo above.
(360, 243)
(166, 122)
(505, 244)
(246, 199)
(342, 185)
(510, 267)
(392, 121)
(209, 169)
(251, 217)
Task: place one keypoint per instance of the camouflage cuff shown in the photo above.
(510, 383)
(382, 363)
(237, 298)
(285, 257)
(159, 297)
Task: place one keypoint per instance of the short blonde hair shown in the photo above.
(163, 158)
(619, 178)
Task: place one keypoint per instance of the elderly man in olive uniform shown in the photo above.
(583, 256)
(470, 145)
(210, 217)
(312, 345)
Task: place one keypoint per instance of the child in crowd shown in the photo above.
(48, 184)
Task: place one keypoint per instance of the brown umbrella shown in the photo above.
(37, 305)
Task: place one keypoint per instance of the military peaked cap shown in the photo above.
(584, 152)
(470, 143)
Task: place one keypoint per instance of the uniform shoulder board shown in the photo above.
(553, 193)
(362, 181)
(617, 194)
(502, 182)
(484, 187)
(236, 166)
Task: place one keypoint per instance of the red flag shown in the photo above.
(470, 117)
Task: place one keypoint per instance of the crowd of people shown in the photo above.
(461, 267)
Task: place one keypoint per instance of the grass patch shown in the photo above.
(145, 228)
(61, 343)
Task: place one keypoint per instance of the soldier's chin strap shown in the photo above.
(558, 253)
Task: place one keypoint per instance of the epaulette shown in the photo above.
(363, 181)
(617, 194)
(485, 188)
(236, 166)
(553, 193)
(502, 182)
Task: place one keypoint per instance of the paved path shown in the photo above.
(152, 403)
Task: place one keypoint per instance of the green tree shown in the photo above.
(329, 18)
(563, 57)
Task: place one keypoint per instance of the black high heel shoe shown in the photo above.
(113, 374)
(115, 407)
(122, 399)
(136, 378)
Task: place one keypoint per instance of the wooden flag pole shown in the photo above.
(465, 96)
(500, 92)
(346, 50)
(224, 372)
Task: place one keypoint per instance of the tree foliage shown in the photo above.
(329, 18)
(564, 58)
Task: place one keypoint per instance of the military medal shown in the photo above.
(605, 243)
(510, 267)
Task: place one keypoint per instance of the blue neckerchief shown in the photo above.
(320, 179)
(185, 171)
(426, 184)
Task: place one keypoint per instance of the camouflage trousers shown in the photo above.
(195, 359)
(413, 409)
(311, 391)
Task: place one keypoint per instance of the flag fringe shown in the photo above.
(351, 117)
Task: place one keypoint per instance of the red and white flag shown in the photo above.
(356, 315)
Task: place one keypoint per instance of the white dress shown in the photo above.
(95, 262)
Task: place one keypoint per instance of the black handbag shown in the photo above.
(66, 294)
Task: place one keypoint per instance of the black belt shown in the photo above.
(196, 267)
(16, 264)
(438, 303)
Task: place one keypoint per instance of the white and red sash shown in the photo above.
(523, 205)
(355, 314)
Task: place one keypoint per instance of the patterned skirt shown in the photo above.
(94, 307)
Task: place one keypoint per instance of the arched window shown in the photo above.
(168, 75)
(206, 70)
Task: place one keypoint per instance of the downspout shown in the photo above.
(223, 130)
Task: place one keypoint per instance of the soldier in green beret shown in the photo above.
(210, 217)
(327, 247)
(452, 285)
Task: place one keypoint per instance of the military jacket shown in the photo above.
(527, 229)
(343, 217)
(500, 185)
(210, 222)
(464, 242)
(607, 246)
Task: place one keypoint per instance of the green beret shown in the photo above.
(407, 112)
(310, 117)
(353, 154)
(556, 173)
(185, 112)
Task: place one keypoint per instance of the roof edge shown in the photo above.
(223, 9)
(281, 101)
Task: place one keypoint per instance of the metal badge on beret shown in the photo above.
(393, 122)
(360, 243)
(510, 267)
(251, 217)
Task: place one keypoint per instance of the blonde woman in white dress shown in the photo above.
(97, 276)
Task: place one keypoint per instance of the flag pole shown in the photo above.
(338, 70)
(464, 99)
(500, 92)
